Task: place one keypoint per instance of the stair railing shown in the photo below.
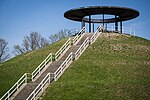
(125, 30)
(15, 87)
(128, 30)
(47, 61)
(81, 49)
(68, 44)
(63, 49)
(87, 42)
(40, 87)
(25, 77)
(73, 56)
(63, 66)
(78, 36)
(96, 34)
(50, 77)
(61, 69)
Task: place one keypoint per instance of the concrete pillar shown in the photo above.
(93, 26)
(120, 26)
(116, 23)
(89, 23)
(103, 19)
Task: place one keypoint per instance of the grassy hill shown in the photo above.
(116, 66)
(12, 70)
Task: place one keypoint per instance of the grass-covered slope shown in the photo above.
(114, 67)
(12, 70)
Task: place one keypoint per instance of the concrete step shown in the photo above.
(84, 37)
(72, 49)
(26, 91)
(51, 69)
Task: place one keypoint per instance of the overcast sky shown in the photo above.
(19, 17)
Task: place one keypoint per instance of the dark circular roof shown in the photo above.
(122, 13)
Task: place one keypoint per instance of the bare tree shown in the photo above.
(32, 42)
(44, 42)
(35, 41)
(60, 35)
(3, 50)
(18, 50)
(53, 38)
(26, 45)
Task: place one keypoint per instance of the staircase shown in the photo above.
(52, 72)
(26, 91)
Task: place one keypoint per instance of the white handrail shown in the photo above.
(96, 34)
(87, 42)
(24, 78)
(75, 39)
(68, 43)
(47, 78)
(40, 87)
(84, 45)
(45, 62)
(124, 30)
(15, 87)
(62, 49)
(38, 70)
(48, 59)
(57, 73)
(63, 67)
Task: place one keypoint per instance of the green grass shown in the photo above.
(114, 67)
(12, 70)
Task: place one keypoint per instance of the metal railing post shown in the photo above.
(17, 86)
(32, 76)
(8, 96)
(34, 96)
(39, 70)
(51, 57)
(45, 63)
(55, 77)
(49, 78)
(26, 80)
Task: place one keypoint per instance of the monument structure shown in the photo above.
(84, 14)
